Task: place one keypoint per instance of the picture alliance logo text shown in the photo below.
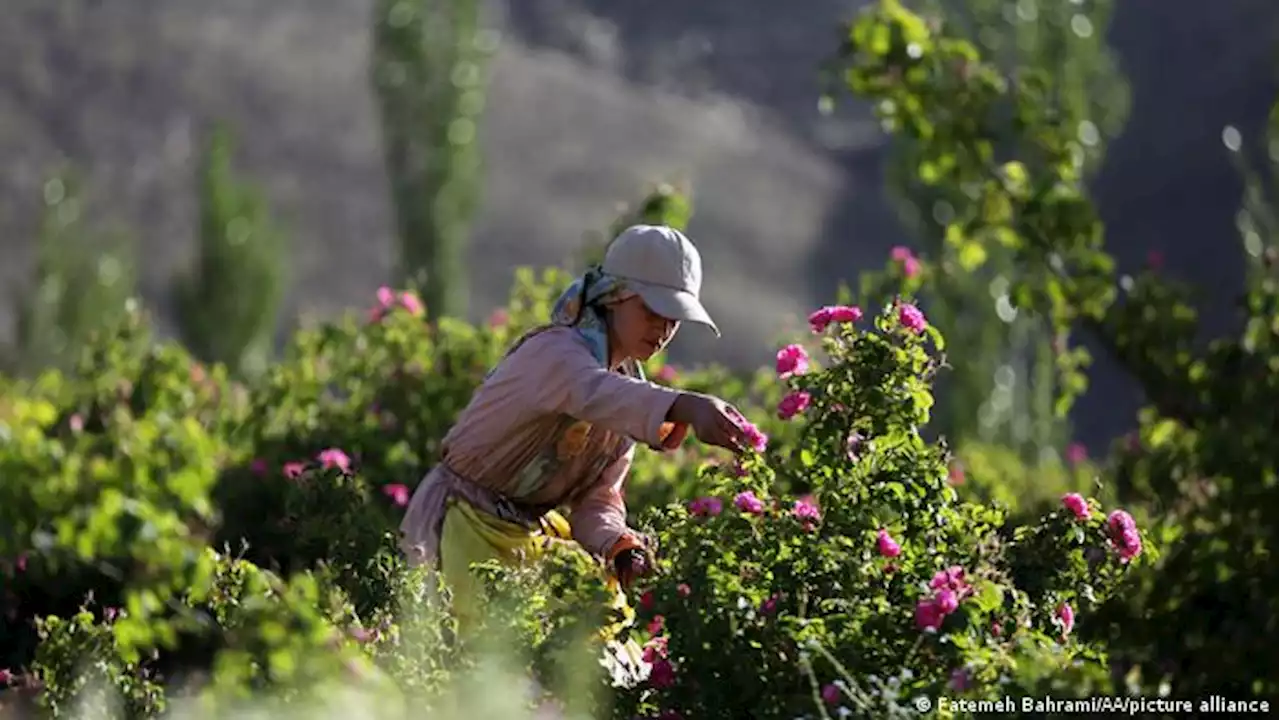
(1127, 705)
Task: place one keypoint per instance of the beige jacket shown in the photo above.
(549, 428)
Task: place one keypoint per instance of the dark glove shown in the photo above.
(631, 564)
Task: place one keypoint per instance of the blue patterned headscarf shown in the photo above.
(582, 307)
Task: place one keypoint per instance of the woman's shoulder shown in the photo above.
(555, 338)
(550, 346)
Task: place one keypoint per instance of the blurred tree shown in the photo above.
(428, 74)
(665, 204)
(1003, 391)
(228, 304)
(83, 282)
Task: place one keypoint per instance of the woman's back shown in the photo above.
(550, 419)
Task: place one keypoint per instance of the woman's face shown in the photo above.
(638, 332)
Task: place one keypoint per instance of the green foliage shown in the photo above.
(173, 540)
(228, 303)
(427, 68)
(760, 607)
(1003, 391)
(1205, 460)
(664, 205)
(155, 471)
(82, 283)
(997, 475)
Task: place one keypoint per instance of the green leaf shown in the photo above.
(807, 458)
(972, 255)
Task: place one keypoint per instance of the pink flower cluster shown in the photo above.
(793, 404)
(748, 503)
(907, 259)
(1124, 535)
(706, 507)
(886, 545)
(792, 360)
(949, 588)
(806, 511)
(759, 441)
(838, 314)
(1122, 531)
(662, 674)
(334, 458)
(398, 492)
(1067, 617)
(388, 301)
(911, 318)
(1078, 506)
(331, 458)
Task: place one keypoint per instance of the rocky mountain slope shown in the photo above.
(589, 102)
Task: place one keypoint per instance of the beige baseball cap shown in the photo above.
(661, 265)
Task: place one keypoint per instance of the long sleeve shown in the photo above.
(574, 383)
(599, 518)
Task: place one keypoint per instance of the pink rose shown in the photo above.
(1077, 505)
(792, 360)
(821, 318)
(911, 318)
(910, 264)
(805, 510)
(398, 493)
(334, 458)
(887, 546)
(663, 674)
(747, 502)
(1077, 453)
(1067, 617)
(412, 303)
(794, 403)
(1124, 534)
(656, 625)
(706, 507)
(928, 615)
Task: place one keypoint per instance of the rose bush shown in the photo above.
(161, 523)
(772, 604)
(1200, 470)
(238, 534)
(122, 479)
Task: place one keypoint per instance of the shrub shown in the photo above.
(773, 605)
(1204, 464)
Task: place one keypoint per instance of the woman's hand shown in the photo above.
(632, 564)
(712, 420)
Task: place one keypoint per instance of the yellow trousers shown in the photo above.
(471, 536)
